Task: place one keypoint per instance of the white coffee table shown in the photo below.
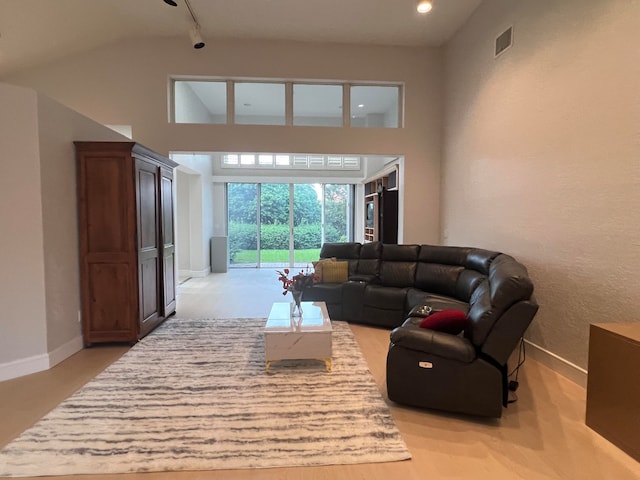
(293, 338)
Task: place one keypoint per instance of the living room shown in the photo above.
(533, 153)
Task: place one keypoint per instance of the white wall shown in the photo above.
(183, 222)
(189, 108)
(39, 252)
(111, 85)
(195, 176)
(23, 341)
(542, 156)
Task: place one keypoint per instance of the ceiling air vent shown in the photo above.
(504, 41)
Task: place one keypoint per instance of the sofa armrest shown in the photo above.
(442, 344)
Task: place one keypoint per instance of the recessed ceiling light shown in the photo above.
(361, 105)
(424, 6)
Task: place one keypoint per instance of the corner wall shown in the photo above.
(23, 341)
(40, 293)
(542, 158)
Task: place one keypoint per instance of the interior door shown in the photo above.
(148, 219)
(168, 243)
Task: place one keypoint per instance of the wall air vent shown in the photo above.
(504, 41)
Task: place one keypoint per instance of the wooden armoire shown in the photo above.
(126, 232)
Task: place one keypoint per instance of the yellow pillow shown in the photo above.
(317, 268)
(335, 272)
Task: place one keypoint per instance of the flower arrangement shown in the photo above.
(296, 285)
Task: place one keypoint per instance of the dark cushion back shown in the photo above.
(480, 260)
(442, 270)
(438, 278)
(398, 268)
(468, 281)
(510, 282)
(349, 251)
(369, 262)
(444, 255)
(507, 283)
(345, 251)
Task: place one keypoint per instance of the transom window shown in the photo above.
(291, 103)
(296, 161)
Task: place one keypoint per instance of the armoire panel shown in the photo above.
(147, 208)
(106, 205)
(110, 300)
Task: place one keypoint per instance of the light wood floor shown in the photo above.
(541, 436)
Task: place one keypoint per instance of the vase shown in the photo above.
(296, 307)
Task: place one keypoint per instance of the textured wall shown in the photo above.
(542, 156)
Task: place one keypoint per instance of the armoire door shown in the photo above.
(168, 246)
(148, 218)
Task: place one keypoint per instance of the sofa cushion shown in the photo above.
(318, 270)
(480, 259)
(448, 321)
(438, 278)
(400, 253)
(369, 261)
(468, 281)
(397, 274)
(444, 255)
(510, 282)
(386, 298)
(344, 250)
(349, 251)
(335, 272)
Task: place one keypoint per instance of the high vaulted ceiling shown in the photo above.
(37, 31)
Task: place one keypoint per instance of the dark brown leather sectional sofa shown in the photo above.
(462, 373)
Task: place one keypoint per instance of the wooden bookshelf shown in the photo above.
(381, 209)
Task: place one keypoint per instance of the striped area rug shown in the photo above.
(194, 395)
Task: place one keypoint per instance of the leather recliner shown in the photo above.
(465, 373)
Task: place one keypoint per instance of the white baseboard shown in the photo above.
(39, 363)
(194, 273)
(24, 366)
(65, 351)
(558, 364)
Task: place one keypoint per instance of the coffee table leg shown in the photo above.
(327, 361)
(268, 364)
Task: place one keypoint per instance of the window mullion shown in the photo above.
(231, 103)
(346, 105)
(288, 103)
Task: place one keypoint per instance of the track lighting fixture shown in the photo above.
(196, 37)
(194, 31)
(424, 6)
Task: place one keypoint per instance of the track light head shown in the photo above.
(424, 6)
(196, 37)
(171, 2)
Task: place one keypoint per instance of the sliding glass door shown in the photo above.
(275, 232)
(284, 225)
